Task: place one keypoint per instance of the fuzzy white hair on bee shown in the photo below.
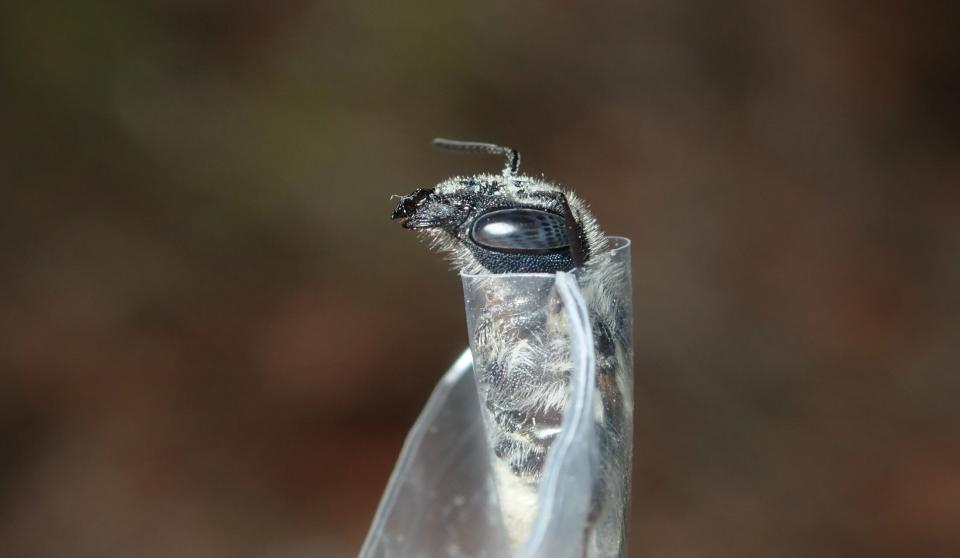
(506, 223)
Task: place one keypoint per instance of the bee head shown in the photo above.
(498, 224)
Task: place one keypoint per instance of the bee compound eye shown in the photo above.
(520, 230)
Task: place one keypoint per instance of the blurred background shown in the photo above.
(213, 339)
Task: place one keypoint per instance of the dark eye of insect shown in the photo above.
(520, 230)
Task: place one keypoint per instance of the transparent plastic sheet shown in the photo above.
(508, 457)
(440, 499)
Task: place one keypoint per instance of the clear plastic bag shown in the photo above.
(440, 499)
(554, 482)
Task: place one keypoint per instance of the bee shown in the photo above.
(493, 226)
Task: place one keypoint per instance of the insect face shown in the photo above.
(500, 223)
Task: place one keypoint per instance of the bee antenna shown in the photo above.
(512, 155)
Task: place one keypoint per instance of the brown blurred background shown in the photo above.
(213, 339)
